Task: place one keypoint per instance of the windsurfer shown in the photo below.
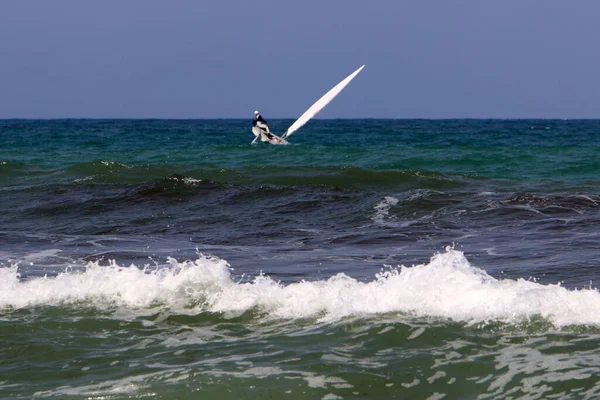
(261, 123)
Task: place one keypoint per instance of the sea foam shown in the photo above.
(446, 287)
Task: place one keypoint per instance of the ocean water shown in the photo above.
(421, 259)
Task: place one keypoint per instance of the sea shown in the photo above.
(366, 259)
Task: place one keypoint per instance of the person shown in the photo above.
(261, 123)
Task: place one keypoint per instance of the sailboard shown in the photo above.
(265, 136)
(307, 115)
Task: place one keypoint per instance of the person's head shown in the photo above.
(256, 113)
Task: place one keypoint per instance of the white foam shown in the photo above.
(115, 164)
(382, 209)
(382, 216)
(446, 287)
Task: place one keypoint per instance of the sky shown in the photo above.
(226, 58)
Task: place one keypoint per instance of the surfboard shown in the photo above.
(308, 114)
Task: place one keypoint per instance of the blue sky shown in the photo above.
(224, 59)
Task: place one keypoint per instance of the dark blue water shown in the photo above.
(174, 259)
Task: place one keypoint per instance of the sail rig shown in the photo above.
(320, 104)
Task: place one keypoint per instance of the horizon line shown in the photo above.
(289, 118)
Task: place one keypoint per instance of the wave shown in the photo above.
(344, 176)
(261, 173)
(356, 178)
(16, 169)
(447, 287)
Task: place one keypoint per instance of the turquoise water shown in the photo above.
(366, 259)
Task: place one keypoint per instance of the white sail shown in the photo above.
(320, 104)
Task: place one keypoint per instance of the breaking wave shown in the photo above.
(447, 287)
